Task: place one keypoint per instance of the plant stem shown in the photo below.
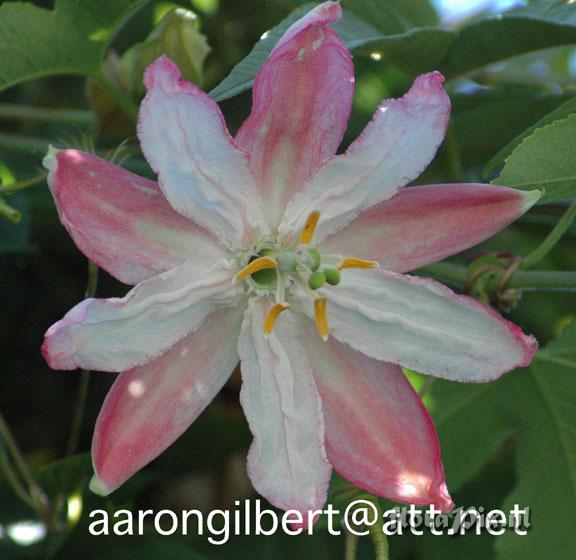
(379, 542)
(449, 273)
(75, 431)
(544, 280)
(24, 184)
(82, 395)
(12, 479)
(553, 237)
(528, 280)
(45, 114)
(78, 416)
(9, 213)
(32, 145)
(351, 549)
(92, 283)
(452, 153)
(37, 495)
(21, 143)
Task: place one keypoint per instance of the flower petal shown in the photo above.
(394, 149)
(287, 461)
(421, 225)
(424, 326)
(203, 174)
(119, 220)
(378, 434)
(150, 406)
(120, 333)
(302, 97)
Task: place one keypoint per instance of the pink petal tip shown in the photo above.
(324, 14)
(429, 87)
(58, 348)
(163, 73)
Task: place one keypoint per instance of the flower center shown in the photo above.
(271, 270)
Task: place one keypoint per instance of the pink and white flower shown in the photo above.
(260, 246)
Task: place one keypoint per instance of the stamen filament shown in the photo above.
(272, 316)
(261, 263)
(321, 318)
(353, 262)
(333, 260)
(309, 227)
(304, 285)
(280, 286)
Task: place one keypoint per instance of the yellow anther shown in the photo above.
(272, 316)
(321, 318)
(309, 227)
(352, 262)
(261, 263)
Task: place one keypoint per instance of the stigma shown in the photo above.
(272, 271)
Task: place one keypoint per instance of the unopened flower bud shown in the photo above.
(176, 36)
(316, 280)
(332, 276)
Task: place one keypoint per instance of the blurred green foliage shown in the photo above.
(507, 442)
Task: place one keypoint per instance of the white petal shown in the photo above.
(122, 221)
(203, 174)
(394, 148)
(119, 333)
(287, 461)
(422, 325)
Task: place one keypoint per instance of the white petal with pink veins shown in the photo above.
(424, 326)
(287, 461)
(422, 225)
(394, 149)
(122, 221)
(379, 435)
(119, 333)
(302, 97)
(203, 174)
(150, 406)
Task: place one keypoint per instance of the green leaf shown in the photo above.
(390, 16)
(501, 37)
(545, 160)
(70, 39)
(242, 75)
(393, 17)
(415, 51)
(485, 121)
(66, 475)
(562, 11)
(546, 454)
(177, 36)
(566, 109)
(416, 13)
(534, 408)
